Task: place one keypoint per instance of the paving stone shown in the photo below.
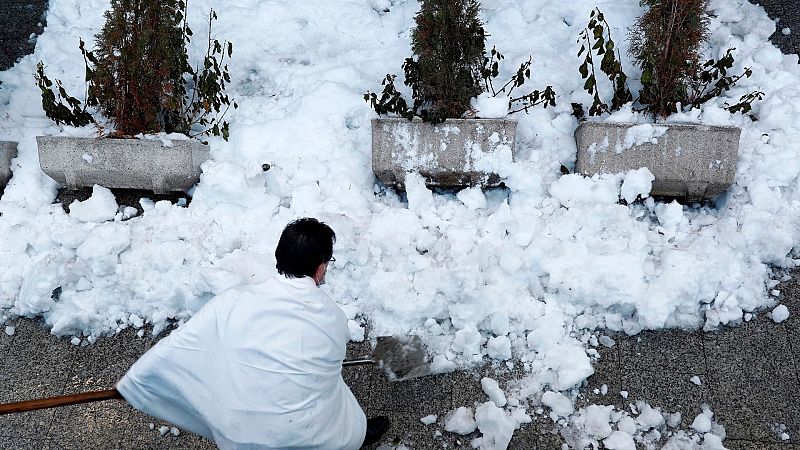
(359, 350)
(19, 20)
(18, 443)
(671, 392)
(114, 424)
(35, 370)
(541, 434)
(361, 380)
(408, 430)
(606, 372)
(738, 444)
(5, 340)
(416, 396)
(753, 382)
(92, 425)
(666, 351)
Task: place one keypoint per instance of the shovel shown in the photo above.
(401, 358)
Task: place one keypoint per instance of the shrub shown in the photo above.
(666, 44)
(451, 67)
(449, 42)
(138, 75)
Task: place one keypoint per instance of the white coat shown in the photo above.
(257, 367)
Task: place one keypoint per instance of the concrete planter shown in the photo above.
(455, 153)
(693, 162)
(8, 151)
(122, 163)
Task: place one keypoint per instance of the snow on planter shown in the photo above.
(694, 162)
(156, 165)
(8, 151)
(455, 153)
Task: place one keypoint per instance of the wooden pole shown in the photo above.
(64, 400)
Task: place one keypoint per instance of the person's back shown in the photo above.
(257, 367)
(273, 354)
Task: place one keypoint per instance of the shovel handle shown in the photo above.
(64, 400)
(94, 396)
(357, 362)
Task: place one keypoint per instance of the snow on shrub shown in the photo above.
(451, 73)
(139, 75)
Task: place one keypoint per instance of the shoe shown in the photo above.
(376, 428)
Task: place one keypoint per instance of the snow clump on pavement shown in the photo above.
(780, 313)
(461, 421)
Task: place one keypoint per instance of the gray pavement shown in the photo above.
(787, 13)
(749, 379)
(20, 22)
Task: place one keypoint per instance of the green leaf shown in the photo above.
(589, 84)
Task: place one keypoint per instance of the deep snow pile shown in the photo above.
(520, 272)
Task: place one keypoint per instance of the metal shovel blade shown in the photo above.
(401, 358)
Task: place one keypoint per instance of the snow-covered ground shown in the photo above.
(524, 273)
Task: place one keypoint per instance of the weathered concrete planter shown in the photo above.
(449, 154)
(122, 163)
(8, 151)
(694, 162)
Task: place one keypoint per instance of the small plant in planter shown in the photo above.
(138, 77)
(689, 161)
(451, 68)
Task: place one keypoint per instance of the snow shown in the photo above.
(702, 422)
(488, 107)
(696, 380)
(521, 271)
(472, 198)
(648, 417)
(492, 389)
(780, 313)
(606, 341)
(617, 428)
(786, 31)
(356, 331)
(641, 134)
(558, 403)
(100, 207)
(496, 426)
(10, 330)
(430, 419)
(637, 183)
(499, 348)
(620, 440)
(461, 421)
(594, 421)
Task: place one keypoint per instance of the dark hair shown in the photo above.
(304, 245)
